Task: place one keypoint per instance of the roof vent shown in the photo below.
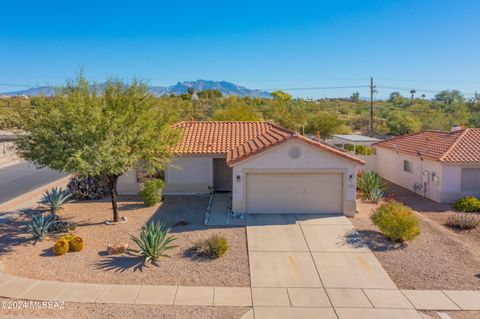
(456, 128)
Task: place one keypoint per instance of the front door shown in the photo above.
(222, 175)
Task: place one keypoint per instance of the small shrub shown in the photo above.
(371, 185)
(154, 241)
(62, 227)
(87, 187)
(55, 198)
(468, 204)
(463, 221)
(61, 247)
(214, 246)
(397, 221)
(40, 225)
(151, 192)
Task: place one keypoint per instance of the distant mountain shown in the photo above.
(226, 88)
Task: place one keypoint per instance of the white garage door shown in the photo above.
(294, 193)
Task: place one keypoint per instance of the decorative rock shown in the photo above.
(117, 249)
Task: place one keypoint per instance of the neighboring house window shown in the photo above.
(143, 176)
(408, 166)
(470, 179)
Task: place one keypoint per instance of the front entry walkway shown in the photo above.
(316, 267)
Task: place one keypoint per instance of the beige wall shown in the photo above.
(311, 160)
(189, 175)
(390, 166)
(127, 184)
(452, 183)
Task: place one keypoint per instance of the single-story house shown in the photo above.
(267, 168)
(442, 166)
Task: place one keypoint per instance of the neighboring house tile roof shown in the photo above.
(239, 140)
(461, 146)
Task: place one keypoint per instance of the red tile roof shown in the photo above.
(461, 146)
(239, 140)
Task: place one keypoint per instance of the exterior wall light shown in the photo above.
(238, 178)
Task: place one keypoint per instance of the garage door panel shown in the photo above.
(294, 193)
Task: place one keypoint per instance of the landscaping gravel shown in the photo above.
(93, 265)
(438, 258)
(105, 311)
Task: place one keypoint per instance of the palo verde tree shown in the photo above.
(87, 133)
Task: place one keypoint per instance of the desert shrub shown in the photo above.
(463, 221)
(55, 198)
(59, 226)
(154, 241)
(151, 193)
(61, 247)
(397, 221)
(371, 185)
(40, 225)
(467, 204)
(214, 246)
(87, 187)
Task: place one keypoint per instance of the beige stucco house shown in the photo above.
(442, 166)
(267, 169)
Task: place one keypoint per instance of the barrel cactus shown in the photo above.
(76, 244)
(61, 247)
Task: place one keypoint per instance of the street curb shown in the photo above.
(29, 199)
(11, 163)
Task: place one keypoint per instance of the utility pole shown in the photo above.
(370, 122)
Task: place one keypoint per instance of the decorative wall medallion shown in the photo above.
(294, 152)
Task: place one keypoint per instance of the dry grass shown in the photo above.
(439, 258)
(92, 265)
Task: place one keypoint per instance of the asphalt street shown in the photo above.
(23, 177)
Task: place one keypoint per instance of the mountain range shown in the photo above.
(226, 88)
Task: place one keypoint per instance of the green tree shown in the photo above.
(281, 96)
(355, 96)
(327, 123)
(82, 132)
(236, 113)
(400, 123)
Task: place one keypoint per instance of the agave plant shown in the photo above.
(55, 198)
(375, 195)
(153, 241)
(40, 225)
(371, 185)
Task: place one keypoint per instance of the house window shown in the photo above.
(143, 176)
(408, 166)
(470, 179)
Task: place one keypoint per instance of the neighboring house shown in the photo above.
(442, 166)
(268, 169)
(357, 143)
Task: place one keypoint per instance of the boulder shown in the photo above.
(117, 249)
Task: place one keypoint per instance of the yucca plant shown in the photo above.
(40, 225)
(55, 198)
(371, 185)
(154, 241)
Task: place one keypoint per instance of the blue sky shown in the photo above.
(426, 45)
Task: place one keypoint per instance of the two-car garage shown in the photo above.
(294, 193)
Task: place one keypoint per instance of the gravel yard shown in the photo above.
(105, 311)
(92, 265)
(440, 258)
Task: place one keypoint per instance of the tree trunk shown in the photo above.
(112, 186)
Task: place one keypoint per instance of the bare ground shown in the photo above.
(92, 265)
(439, 258)
(105, 311)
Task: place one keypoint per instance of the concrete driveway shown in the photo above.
(318, 263)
